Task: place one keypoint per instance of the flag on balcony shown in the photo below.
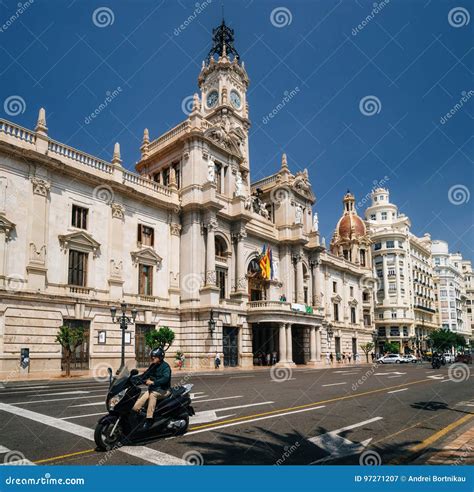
(266, 266)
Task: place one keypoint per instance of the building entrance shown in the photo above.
(230, 346)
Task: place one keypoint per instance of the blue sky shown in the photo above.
(410, 60)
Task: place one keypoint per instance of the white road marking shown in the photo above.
(3, 449)
(437, 376)
(344, 372)
(85, 415)
(333, 384)
(390, 377)
(217, 427)
(388, 372)
(338, 446)
(101, 402)
(21, 388)
(54, 399)
(142, 452)
(396, 391)
(241, 377)
(197, 397)
(218, 399)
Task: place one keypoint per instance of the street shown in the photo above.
(385, 414)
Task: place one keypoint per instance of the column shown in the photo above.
(240, 279)
(299, 279)
(289, 343)
(385, 280)
(316, 283)
(318, 344)
(282, 357)
(211, 252)
(312, 343)
(397, 277)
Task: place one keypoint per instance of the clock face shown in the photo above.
(212, 99)
(235, 99)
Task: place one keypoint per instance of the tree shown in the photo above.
(69, 339)
(161, 338)
(459, 342)
(367, 348)
(442, 340)
(391, 348)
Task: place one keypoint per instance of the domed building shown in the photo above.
(350, 239)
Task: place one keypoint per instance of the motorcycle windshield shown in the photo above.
(120, 381)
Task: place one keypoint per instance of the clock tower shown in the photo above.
(223, 82)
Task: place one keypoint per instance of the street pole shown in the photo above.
(123, 321)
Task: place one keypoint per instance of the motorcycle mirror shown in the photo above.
(133, 372)
(109, 370)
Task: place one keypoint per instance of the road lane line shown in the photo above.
(54, 399)
(218, 399)
(333, 384)
(218, 426)
(330, 400)
(142, 452)
(390, 377)
(86, 415)
(396, 391)
(64, 456)
(241, 377)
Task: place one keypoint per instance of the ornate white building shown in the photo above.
(451, 272)
(180, 241)
(405, 309)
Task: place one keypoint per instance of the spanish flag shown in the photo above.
(266, 263)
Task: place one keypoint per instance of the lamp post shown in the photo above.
(211, 323)
(123, 320)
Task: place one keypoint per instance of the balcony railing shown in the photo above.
(266, 305)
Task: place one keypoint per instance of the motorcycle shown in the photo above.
(122, 424)
(436, 363)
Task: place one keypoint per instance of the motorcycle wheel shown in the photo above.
(104, 438)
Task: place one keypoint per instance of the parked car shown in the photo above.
(390, 359)
(449, 358)
(465, 358)
(410, 358)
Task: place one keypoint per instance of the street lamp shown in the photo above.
(123, 320)
(212, 322)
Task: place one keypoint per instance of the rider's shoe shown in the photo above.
(147, 424)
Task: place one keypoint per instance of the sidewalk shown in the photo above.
(91, 374)
(459, 451)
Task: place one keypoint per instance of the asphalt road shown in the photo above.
(343, 415)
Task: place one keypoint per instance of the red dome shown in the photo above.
(350, 225)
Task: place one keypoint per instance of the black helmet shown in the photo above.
(158, 352)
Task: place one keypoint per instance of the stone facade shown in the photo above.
(179, 240)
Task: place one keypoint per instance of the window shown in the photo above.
(156, 177)
(362, 257)
(384, 215)
(394, 331)
(372, 217)
(218, 178)
(166, 176)
(390, 244)
(353, 315)
(79, 217)
(351, 291)
(221, 281)
(145, 280)
(334, 287)
(177, 171)
(77, 273)
(365, 296)
(391, 272)
(366, 319)
(394, 315)
(145, 235)
(336, 312)
(377, 246)
(382, 331)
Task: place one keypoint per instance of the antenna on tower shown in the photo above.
(222, 10)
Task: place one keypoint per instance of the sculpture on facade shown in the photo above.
(299, 214)
(238, 184)
(211, 171)
(315, 222)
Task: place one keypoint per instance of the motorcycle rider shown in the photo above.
(158, 379)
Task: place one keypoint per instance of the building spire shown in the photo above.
(223, 42)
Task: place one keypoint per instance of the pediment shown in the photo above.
(146, 256)
(353, 303)
(336, 298)
(80, 240)
(6, 225)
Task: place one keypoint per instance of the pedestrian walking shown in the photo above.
(268, 358)
(274, 357)
(372, 355)
(217, 361)
(328, 361)
(349, 356)
(331, 358)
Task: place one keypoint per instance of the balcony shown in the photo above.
(269, 305)
(277, 311)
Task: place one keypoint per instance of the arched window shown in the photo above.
(255, 281)
(221, 248)
(362, 257)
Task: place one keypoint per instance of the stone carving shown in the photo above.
(118, 210)
(241, 283)
(211, 171)
(227, 135)
(315, 222)
(299, 214)
(40, 186)
(37, 255)
(116, 268)
(238, 184)
(211, 277)
(254, 203)
(175, 229)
